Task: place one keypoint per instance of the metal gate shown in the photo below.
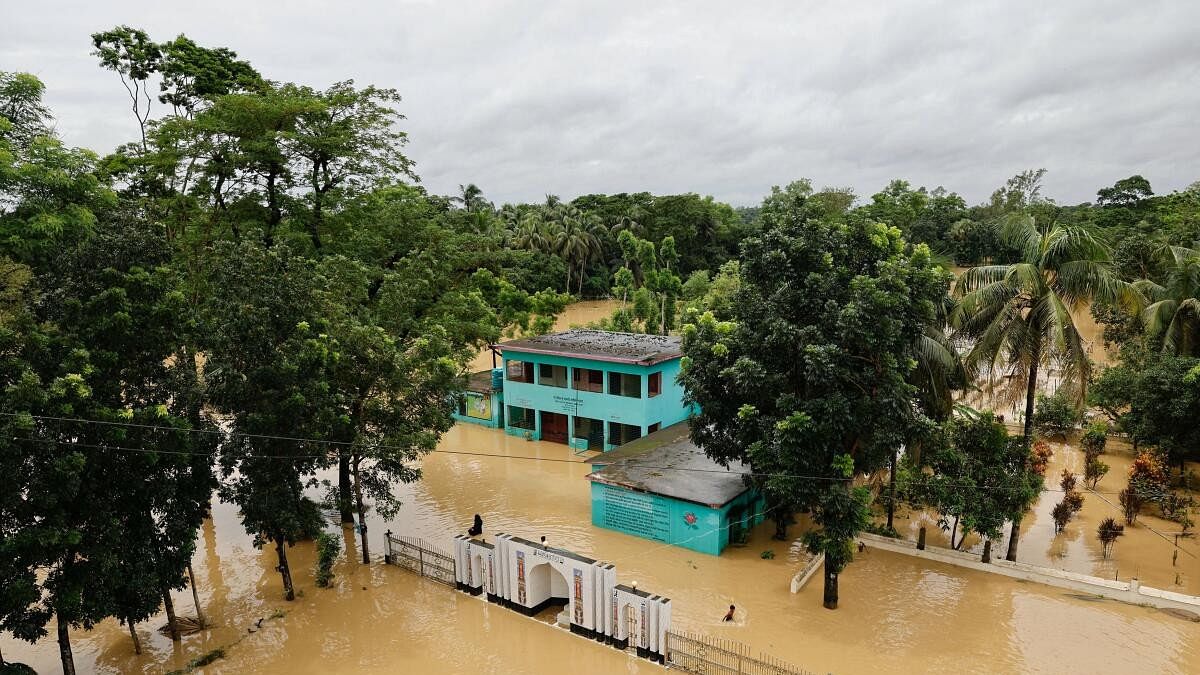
(706, 655)
(417, 555)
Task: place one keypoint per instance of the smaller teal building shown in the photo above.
(664, 488)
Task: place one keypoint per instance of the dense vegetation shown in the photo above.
(260, 265)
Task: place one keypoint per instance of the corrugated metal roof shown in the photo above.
(667, 463)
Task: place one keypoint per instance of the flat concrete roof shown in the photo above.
(601, 345)
(667, 463)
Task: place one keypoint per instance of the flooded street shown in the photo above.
(896, 612)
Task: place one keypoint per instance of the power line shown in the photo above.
(444, 451)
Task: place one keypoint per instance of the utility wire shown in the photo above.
(316, 441)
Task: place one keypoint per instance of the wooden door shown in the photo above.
(554, 427)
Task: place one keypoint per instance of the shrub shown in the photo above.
(1055, 415)
(328, 548)
(1071, 502)
(1178, 508)
(1061, 513)
(1040, 456)
(1131, 503)
(1094, 440)
(1093, 471)
(1108, 532)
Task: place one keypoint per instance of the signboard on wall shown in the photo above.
(479, 405)
(565, 403)
(636, 513)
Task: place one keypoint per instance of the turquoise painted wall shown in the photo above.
(665, 409)
(665, 519)
(496, 421)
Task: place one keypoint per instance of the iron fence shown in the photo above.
(417, 555)
(707, 655)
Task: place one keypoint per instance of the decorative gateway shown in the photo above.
(529, 577)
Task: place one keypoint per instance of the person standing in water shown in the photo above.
(729, 614)
(477, 528)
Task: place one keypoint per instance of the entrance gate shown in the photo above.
(417, 555)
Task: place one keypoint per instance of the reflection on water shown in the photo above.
(897, 614)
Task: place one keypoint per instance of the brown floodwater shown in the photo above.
(897, 614)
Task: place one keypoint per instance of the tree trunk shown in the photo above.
(196, 596)
(921, 539)
(987, 550)
(568, 289)
(781, 525)
(362, 513)
(891, 507)
(172, 624)
(1030, 393)
(953, 531)
(830, 600)
(289, 593)
(64, 647)
(344, 500)
(137, 643)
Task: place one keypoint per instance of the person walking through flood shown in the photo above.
(477, 528)
(729, 614)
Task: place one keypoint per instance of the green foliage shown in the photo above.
(1157, 402)
(976, 475)
(1094, 439)
(807, 381)
(1056, 415)
(1093, 471)
(328, 548)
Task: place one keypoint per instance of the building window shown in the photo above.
(519, 371)
(655, 384)
(521, 418)
(652, 428)
(590, 430)
(624, 384)
(552, 376)
(587, 379)
(620, 434)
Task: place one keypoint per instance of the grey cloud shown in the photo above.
(530, 98)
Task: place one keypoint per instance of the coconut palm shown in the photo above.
(1018, 317)
(1173, 315)
(471, 198)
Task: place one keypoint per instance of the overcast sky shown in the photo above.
(530, 98)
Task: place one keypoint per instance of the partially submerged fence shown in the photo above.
(706, 655)
(417, 555)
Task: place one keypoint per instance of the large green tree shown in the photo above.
(808, 383)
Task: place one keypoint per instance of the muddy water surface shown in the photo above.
(898, 614)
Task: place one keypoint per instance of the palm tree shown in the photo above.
(1019, 316)
(471, 198)
(1173, 315)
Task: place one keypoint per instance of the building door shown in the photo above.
(554, 427)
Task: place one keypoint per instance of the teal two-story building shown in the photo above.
(591, 389)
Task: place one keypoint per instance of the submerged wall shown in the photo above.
(671, 521)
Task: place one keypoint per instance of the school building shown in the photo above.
(590, 389)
